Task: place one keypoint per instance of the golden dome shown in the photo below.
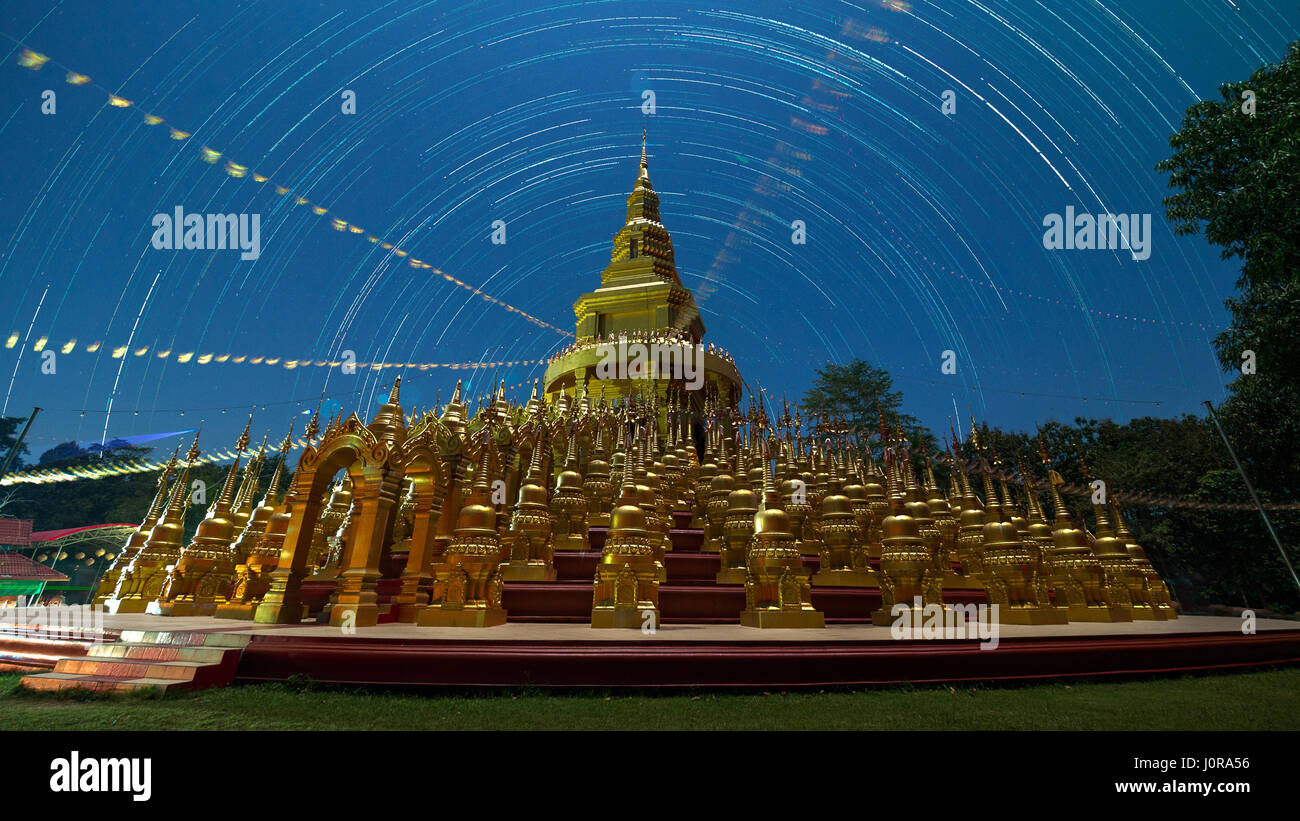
(569, 480)
(837, 505)
(742, 499)
(1110, 547)
(1000, 533)
(772, 522)
(917, 510)
(900, 526)
(628, 520)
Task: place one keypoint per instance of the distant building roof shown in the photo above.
(16, 532)
(17, 566)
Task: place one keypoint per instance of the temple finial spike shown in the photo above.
(645, 166)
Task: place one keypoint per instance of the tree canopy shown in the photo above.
(1236, 171)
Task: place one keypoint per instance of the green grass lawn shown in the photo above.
(1262, 700)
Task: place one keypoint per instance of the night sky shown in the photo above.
(924, 229)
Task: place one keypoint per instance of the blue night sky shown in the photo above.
(924, 230)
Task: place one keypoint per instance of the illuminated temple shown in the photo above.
(629, 472)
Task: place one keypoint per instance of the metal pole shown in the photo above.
(18, 443)
(1253, 497)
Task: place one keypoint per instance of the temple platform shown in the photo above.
(676, 655)
(548, 641)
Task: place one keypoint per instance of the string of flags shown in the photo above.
(35, 61)
(185, 357)
(1038, 297)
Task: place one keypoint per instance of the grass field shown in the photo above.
(1261, 700)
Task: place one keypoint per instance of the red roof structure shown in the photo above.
(51, 535)
(16, 566)
(16, 532)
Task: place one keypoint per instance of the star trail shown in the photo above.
(924, 227)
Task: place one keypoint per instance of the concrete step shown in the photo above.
(186, 639)
(125, 668)
(55, 682)
(159, 652)
(162, 660)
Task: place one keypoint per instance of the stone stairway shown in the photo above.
(146, 660)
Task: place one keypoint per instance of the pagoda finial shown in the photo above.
(313, 426)
(394, 396)
(241, 444)
(645, 167)
(193, 454)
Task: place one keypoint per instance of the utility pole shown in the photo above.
(18, 443)
(1253, 497)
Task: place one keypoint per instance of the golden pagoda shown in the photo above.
(407, 520)
(569, 502)
(254, 563)
(905, 560)
(778, 592)
(143, 579)
(840, 560)
(530, 544)
(199, 579)
(1081, 584)
(1010, 575)
(625, 591)
(138, 537)
(1161, 599)
(635, 329)
(467, 590)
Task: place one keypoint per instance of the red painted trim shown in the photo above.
(651, 663)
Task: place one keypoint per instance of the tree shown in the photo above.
(858, 393)
(9, 427)
(1236, 164)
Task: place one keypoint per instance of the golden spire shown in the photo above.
(534, 475)
(179, 501)
(241, 444)
(313, 427)
(644, 173)
(160, 496)
(228, 487)
(270, 499)
(771, 499)
(193, 453)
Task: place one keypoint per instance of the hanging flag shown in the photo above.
(30, 59)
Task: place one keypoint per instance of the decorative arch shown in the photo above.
(353, 447)
(425, 465)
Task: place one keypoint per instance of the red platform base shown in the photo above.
(641, 662)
